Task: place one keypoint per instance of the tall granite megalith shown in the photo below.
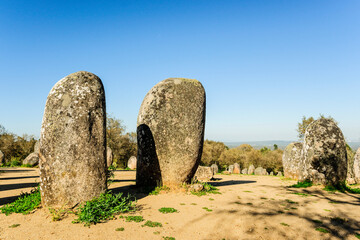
(356, 166)
(170, 132)
(73, 142)
(324, 158)
(291, 160)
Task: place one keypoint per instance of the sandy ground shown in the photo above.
(249, 207)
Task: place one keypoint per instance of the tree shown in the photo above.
(123, 145)
(212, 151)
(305, 122)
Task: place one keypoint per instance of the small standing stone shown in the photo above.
(215, 168)
(271, 173)
(132, 162)
(259, 171)
(244, 171)
(279, 174)
(109, 156)
(251, 169)
(291, 160)
(37, 147)
(170, 133)
(264, 172)
(32, 159)
(231, 169)
(356, 167)
(73, 142)
(236, 168)
(324, 158)
(2, 157)
(203, 174)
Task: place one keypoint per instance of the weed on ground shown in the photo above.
(26, 203)
(167, 210)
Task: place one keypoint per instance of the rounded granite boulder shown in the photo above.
(170, 132)
(73, 142)
(324, 158)
(291, 160)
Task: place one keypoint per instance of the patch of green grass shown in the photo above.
(58, 214)
(26, 203)
(157, 190)
(156, 233)
(211, 199)
(207, 188)
(120, 229)
(303, 184)
(357, 235)
(134, 218)
(291, 201)
(300, 194)
(182, 203)
(323, 230)
(327, 210)
(317, 221)
(193, 204)
(263, 198)
(284, 224)
(237, 202)
(167, 210)
(168, 238)
(249, 203)
(293, 208)
(104, 207)
(248, 191)
(341, 187)
(207, 209)
(14, 225)
(152, 224)
(26, 165)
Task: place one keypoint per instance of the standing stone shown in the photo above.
(203, 174)
(132, 162)
(231, 169)
(2, 157)
(215, 168)
(259, 171)
(37, 147)
(170, 132)
(279, 174)
(251, 169)
(73, 142)
(271, 173)
(109, 156)
(356, 166)
(350, 178)
(291, 160)
(324, 159)
(32, 159)
(237, 168)
(264, 172)
(244, 171)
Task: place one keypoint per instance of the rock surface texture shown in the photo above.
(231, 168)
(132, 162)
(291, 160)
(324, 158)
(259, 171)
(37, 147)
(237, 168)
(244, 171)
(357, 166)
(32, 159)
(109, 156)
(215, 168)
(170, 132)
(203, 174)
(73, 142)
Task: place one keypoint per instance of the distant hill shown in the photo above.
(281, 144)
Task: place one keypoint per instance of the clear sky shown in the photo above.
(264, 64)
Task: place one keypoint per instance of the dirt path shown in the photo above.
(249, 207)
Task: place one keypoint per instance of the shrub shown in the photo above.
(26, 203)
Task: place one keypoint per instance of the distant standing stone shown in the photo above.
(264, 172)
(237, 168)
(271, 173)
(231, 169)
(324, 159)
(170, 132)
(203, 174)
(215, 168)
(73, 142)
(37, 147)
(132, 162)
(32, 159)
(2, 157)
(357, 167)
(244, 171)
(251, 169)
(279, 174)
(259, 171)
(291, 160)
(109, 156)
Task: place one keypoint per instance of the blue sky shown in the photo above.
(264, 64)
